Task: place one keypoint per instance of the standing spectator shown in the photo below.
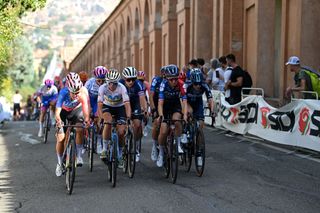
(301, 78)
(193, 64)
(29, 107)
(236, 80)
(215, 77)
(16, 105)
(201, 65)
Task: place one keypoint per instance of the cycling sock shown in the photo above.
(79, 149)
(104, 144)
(52, 115)
(40, 125)
(155, 142)
(161, 150)
(179, 140)
(59, 159)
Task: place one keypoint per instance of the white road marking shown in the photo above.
(26, 138)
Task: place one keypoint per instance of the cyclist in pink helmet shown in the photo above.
(48, 93)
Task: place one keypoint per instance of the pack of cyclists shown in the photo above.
(129, 99)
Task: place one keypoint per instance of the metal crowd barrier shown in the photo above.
(244, 95)
(315, 94)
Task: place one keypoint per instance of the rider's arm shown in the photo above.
(126, 100)
(142, 97)
(84, 99)
(161, 99)
(151, 94)
(209, 96)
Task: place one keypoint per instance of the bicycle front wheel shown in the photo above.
(91, 142)
(200, 154)
(131, 156)
(46, 128)
(70, 164)
(174, 159)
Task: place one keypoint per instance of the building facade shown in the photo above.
(262, 34)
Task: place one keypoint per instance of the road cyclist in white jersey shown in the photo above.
(48, 93)
(113, 100)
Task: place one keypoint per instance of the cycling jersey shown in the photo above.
(114, 98)
(169, 94)
(65, 102)
(155, 88)
(194, 99)
(134, 93)
(48, 95)
(93, 90)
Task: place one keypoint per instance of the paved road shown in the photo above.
(241, 175)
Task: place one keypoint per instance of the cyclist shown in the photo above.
(135, 90)
(93, 85)
(48, 93)
(83, 77)
(141, 77)
(170, 107)
(194, 96)
(154, 97)
(113, 100)
(72, 106)
(58, 83)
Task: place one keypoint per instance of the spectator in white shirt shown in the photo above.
(16, 105)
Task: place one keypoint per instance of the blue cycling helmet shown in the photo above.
(171, 71)
(196, 75)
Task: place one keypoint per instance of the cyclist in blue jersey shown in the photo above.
(138, 102)
(72, 105)
(154, 97)
(48, 94)
(113, 100)
(194, 94)
(170, 107)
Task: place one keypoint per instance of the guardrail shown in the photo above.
(315, 94)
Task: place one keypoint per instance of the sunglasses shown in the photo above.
(100, 81)
(75, 93)
(130, 79)
(113, 83)
(197, 83)
(173, 79)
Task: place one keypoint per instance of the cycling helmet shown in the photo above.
(182, 76)
(171, 71)
(100, 72)
(141, 75)
(74, 83)
(196, 75)
(113, 76)
(129, 72)
(162, 70)
(48, 82)
(83, 76)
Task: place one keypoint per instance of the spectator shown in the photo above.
(193, 64)
(201, 64)
(29, 107)
(236, 80)
(301, 78)
(16, 105)
(215, 77)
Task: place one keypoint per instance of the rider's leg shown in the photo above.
(162, 140)
(41, 118)
(178, 129)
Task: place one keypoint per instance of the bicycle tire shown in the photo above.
(91, 148)
(166, 163)
(114, 165)
(125, 153)
(70, 164)
(131, 156)
(174, 159)
(200, 152)
(46, 128)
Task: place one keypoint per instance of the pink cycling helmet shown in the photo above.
(141, 75)
(48, 82)
(100, 72)
(74, 83)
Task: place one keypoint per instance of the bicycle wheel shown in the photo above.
(200, 153)
(125, 152)
(131, 156)
(187, 155)
(174, 159)
(114, 160)
(46, 127)
(70, 164)
(166, 163)
(91, 141)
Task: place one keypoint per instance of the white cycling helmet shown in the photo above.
(129, 72)
(113, 76)
(74, 83)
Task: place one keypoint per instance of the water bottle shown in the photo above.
(145, 131)
(184, 138)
